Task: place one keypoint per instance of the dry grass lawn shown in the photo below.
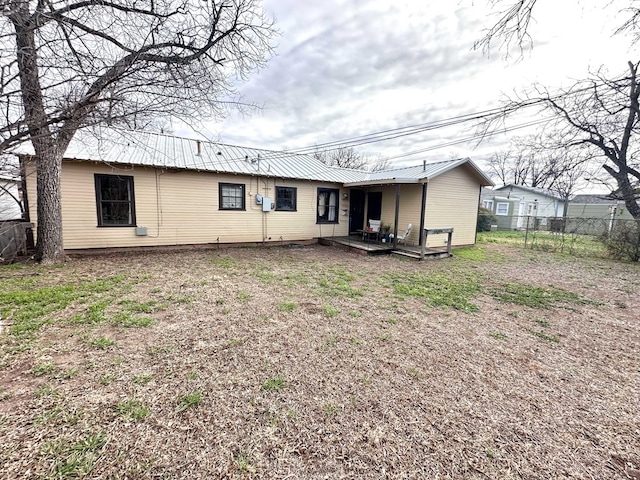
(313, 362)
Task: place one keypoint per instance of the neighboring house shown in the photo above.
(10, 198)
(504, 209)
(533, 202)
(148, 189)
(597, 206)
(595, 214)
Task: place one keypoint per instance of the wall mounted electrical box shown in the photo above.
(266, 204)
(141, 231)
(258, 199)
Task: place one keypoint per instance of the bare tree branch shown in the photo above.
(67, 65)
(598, 118)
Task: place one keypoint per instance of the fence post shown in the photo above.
(526, 232)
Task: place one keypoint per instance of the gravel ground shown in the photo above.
(313, 362)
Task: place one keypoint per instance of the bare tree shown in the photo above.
(379, 164)
(343, 157)
(514, 17)
(68, 64)
(600, 119)
(348, 157)
(511, 167)
(537, 161)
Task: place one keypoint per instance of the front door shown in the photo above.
(356, 210)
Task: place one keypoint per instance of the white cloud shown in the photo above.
(347, 68)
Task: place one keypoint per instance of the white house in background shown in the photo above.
(10, 199)
(505, 210)
(533, 202)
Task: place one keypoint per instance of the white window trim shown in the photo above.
(498, 205)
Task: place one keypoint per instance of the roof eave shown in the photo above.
(388, 181)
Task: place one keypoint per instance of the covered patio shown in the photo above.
(420, 211)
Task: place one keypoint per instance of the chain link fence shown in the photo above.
(15, 240)
(600, 237)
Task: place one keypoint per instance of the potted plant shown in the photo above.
(385, 229)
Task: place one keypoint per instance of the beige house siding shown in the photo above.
(452, 201)
(410, 209)
(181, 208)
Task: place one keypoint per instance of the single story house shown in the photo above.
(597, 206)
(136, 189)
(595, 214)
(504, 209)
(533, 202)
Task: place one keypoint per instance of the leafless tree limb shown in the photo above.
(598, 118)
(67, 65)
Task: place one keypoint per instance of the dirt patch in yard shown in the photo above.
(317, 363)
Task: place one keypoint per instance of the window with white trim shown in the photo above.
(488, 204)
(502, 208)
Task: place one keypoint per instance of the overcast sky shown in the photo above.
(353, 67)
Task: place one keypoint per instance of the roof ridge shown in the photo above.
(181, 137)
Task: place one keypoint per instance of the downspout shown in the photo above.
(423, 211)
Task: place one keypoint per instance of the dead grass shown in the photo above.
(316, 363)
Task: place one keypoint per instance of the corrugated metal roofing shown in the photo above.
(539, 191)
(168, 151)
(426, 171)
(593, 198)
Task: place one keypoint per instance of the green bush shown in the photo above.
(623, 242)
(485, 220)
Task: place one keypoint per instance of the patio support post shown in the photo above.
(395, 226)
(423, 210)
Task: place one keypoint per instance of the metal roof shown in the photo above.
(594, 199)
(539, 191)
(422, 173)
(114, 146)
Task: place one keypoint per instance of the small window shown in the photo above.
(231, 196)
(286, 199)
(488, 204)
(328, 205)
(115, 201)
(502, 208)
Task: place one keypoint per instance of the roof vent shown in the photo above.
(198, 147)
(219, 153)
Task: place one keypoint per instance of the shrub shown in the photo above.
(623, 242)
(485, 220)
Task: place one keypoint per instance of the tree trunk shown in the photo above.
(49, 246)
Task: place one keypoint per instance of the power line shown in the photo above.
(401, 131)
(390, 134)
(470, 138)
